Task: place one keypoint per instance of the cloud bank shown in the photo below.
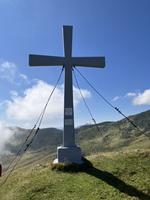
(27, 107)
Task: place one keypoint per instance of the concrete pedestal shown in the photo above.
(68, 155)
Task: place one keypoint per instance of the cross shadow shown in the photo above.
(115, 182)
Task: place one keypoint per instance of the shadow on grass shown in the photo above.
(112, 180)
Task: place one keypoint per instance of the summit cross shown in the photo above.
(68, 152)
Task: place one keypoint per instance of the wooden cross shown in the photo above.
(69, 152)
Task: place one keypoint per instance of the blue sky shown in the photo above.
(116, 29)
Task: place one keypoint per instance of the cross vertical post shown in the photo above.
(68, 152)
(68, 136)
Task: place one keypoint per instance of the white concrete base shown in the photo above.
(68, 155)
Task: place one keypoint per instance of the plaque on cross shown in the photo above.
(68, 152)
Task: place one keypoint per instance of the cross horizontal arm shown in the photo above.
(89, 61)
(39, 60)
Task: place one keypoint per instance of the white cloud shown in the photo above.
(5, 135)
(26, 108)
(77, 95)
(7, 70)
(10, 73)
(3, 103)
(13, 93)
(131, 94)
(24, 78)
(116, 98)
(142, 98)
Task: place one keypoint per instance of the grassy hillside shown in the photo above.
(116, 136)
(116, 176)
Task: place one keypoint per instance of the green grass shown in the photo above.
(116, 176)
